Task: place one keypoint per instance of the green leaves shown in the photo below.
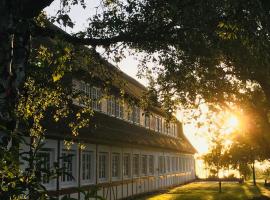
(227, 31)
(90, 193)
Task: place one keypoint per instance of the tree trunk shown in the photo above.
(253, 173)
(14, 53)
(15, 20)
(6, 61)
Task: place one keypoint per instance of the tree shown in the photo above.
(215, 158)
(191, 39)
(243, 153)
(266, 174)
(213, 50)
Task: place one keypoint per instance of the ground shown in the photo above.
(209, 191)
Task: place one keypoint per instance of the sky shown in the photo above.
(129, 65)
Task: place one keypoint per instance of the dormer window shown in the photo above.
(115, 107)
(93, 93)
(147, 121)
(159, 124)
(134, 115)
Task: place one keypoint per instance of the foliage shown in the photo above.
(214, 159)
(91, 193)
(45, 98)
(266, 173)
(207, 50)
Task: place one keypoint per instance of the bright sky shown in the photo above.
(80, 16)
(128, 65)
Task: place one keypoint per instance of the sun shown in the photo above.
(233, 121)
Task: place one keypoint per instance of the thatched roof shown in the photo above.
(109, 130)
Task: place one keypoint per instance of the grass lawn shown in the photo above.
(209, 191)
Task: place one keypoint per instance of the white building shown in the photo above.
(127, 152)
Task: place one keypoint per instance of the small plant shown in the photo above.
(91, 193)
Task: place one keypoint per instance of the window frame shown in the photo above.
(144, 165)
(104, 178)
(147, 121)
(136, 165)
(151, 164)
(51, 152)
(126, 168)
(71, 180)
(91, 164)
(115, 166)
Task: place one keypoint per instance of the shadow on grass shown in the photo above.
(264, 191)
(209, 191)
(263, 197)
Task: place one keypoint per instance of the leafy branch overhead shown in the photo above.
(210, 51)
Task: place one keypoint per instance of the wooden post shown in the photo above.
(59, 165)
(79, 170)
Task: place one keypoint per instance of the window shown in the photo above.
(135, 165)
(182, 165)
(115, 107)
(115, 165)
(168, 164)
(161, 164)
(158, 124)
(176, 164)
(119, 109)
(135, 115)
(147, 121)
(171, 129)
(153, 122)
(165, 131)
(69, 166)
(168, 129)
(87, 165)
(151, 164)
(111, 106)
(93, 93)
(174, 130)
(192, 164)
(129, 115)
(144, 164)
(126, 165)
(82, 87)
(44, 163)
(103, 166)
(173, 164)
(186, 161)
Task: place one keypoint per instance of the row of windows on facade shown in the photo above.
(128, 165)
(115, 107)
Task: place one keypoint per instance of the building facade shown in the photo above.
(126, 152)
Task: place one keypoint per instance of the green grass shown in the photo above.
(209, 191)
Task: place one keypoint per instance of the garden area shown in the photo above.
(210, 191)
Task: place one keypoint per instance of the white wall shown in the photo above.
(128, 186)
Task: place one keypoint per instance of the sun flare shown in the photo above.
(233, 122)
